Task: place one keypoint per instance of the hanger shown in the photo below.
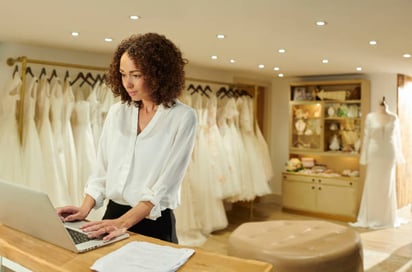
(66, 75)
(42, 72)
(53, 75)
(29, 71)
(16, 70)
(80, 76)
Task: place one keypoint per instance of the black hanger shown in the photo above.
(80, 76)
(42, 72)
(53, 75)
(29, 71)
(16, 70)
(66, 75)
(89, 79)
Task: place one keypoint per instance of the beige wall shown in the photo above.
(276, 123)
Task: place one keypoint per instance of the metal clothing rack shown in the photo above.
(24, 61)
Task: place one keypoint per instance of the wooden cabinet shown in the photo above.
(324, 196)
(326, 126)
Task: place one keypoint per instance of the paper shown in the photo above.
(142, 257)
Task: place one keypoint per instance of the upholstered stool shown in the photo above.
(299, 245)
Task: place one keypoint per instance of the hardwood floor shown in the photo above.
(385, 250)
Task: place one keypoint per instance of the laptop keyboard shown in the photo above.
(78, 237)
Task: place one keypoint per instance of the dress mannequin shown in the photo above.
(380, 152)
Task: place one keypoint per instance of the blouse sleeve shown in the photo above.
(96, 183)
(174, 168)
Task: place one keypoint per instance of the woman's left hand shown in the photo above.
(108, 229)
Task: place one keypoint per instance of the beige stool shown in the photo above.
(299, 246)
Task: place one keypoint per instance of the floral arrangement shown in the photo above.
(294, 165)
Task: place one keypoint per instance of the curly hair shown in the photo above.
(160, 63)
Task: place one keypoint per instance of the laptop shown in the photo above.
(32, 212)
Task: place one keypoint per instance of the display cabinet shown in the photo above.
(326, 129)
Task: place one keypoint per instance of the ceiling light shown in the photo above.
(75, 34)
(320, 23)
(134, 17)
(232, 61)
(406, 55)
(282, 50)
(261, 66)
(359, 68)
(373, 42)
(276, 68)
(108, 39)
(280, 75)
(213, 57)
(220, 36)
(325, 61)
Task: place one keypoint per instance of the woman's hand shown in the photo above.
(71, 213)
(108, 229)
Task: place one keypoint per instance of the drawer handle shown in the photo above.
(320, 188)
(313, 187)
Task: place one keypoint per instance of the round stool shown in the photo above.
(301, 245)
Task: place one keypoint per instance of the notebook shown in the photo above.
(32, 212)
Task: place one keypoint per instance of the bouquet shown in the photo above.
(294, 165)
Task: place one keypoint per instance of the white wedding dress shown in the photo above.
(381, 152)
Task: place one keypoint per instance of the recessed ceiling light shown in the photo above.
(406, 56)
(232, 61)
(75, 34)
(373, 42)
(108, 39)
(261, 66)
(280, 75)
(320, 23)
(220, 36)
(325, 61)
(358, 68)
(213, 57)
(134, 17)
(276, 68)
(282, 50)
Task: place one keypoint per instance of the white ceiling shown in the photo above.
(255, 30)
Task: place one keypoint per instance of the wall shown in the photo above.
(15, 50)
(276, 96)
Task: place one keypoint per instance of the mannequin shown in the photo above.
(381, 151)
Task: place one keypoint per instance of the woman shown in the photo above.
(145, 146)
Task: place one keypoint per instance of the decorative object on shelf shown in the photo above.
(308, 162)
(331, 95)
(294, 165)
(333, 127)
(331, 111)
(300, 126)
(334, 143)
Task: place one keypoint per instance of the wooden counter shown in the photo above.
(38, 255)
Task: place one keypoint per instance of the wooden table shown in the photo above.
(38, 255)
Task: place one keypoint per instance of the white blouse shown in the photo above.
(148, 166)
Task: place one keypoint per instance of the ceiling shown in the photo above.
(254, 29)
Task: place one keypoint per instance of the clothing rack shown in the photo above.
(24, 61)
(252, 89)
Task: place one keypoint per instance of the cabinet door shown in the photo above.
(337, 200)
(299, 195)
(306, 126)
